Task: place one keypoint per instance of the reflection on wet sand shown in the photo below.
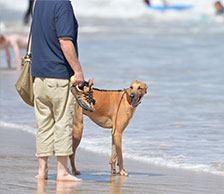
(41, 186)
(116, 183)
(61, 187)
(65, 187)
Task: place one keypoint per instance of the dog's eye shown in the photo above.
(131, 87)
(139, 88)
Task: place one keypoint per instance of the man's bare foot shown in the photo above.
(42, 175)
(68, 177)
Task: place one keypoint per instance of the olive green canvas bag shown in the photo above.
(24, 83)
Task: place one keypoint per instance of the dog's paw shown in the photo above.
(123, 173)
(76, 172)
(114, 172)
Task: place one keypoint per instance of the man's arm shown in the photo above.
(68, 49)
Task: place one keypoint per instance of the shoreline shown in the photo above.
(18, 167)
(107, 155)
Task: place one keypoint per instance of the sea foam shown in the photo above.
(128, 8)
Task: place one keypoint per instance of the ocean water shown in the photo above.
(179, 55)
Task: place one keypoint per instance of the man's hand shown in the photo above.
(78, 79)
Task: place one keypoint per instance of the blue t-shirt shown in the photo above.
(52, 19)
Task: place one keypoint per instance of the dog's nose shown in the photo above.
(132, 95)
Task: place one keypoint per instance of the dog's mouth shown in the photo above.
(136, 101)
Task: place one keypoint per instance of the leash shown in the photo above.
(129, 101)
(114, 128)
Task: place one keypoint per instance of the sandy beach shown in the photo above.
(178, 125)
(18, 167)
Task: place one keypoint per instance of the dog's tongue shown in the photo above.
(134, 102)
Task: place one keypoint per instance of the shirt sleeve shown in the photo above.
(65, 22)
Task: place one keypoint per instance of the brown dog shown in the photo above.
(113, 109)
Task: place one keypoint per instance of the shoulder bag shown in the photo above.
(24, 83)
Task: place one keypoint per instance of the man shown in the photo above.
(28, 12)
(16, 42)
(54, 61)
(219, 8)
(147, 2)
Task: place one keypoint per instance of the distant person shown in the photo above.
(16, 42)
(219, 8)
(28, 12)
(147, 2)
(165, 3)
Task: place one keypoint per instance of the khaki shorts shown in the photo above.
(54, 109)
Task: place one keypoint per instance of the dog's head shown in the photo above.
(135, 93)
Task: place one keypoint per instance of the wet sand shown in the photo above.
(18, 167)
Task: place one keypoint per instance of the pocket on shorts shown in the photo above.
(58, 87)
(57, 82)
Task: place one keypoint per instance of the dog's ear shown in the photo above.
(146, 87)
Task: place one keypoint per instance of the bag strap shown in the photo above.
(29, 45)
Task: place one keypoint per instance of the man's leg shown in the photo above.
(45, 123)
(62, 172)
(63, 109)
(43, 168)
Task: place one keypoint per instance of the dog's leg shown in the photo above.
(75, 145)
(113, 158)
(118, 145)
(120, 123)
(72, 158)
(77, 136)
